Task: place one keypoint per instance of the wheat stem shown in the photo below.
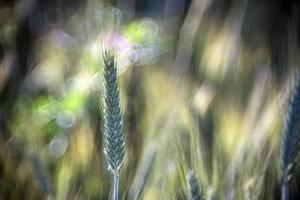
(116, 187)
(285, 190)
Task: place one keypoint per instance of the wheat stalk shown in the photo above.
(40, 173)
(290, 140)
(114, 141)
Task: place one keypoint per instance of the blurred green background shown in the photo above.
(204, 85)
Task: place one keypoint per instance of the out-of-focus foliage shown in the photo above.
(198, 91)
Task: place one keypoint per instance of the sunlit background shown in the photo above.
(204, 86)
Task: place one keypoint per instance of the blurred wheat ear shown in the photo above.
(194, 189)
(290, 140)
(114, 141)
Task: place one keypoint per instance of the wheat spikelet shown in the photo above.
(290, 139)
(114, 141)
(193, 187)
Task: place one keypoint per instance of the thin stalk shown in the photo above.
(285, 190)
(116, 187)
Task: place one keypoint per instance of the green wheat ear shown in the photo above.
(114, 141)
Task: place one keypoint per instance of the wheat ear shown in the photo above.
(290, 140)
(114, 141)
(194, 189)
